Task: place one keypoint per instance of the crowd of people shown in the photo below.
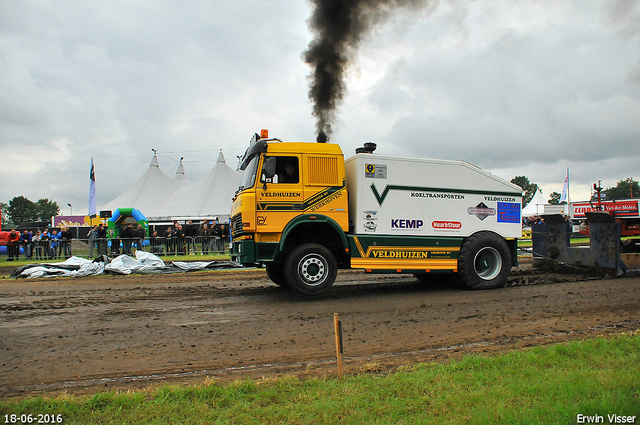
(179, 239)
(536, 219)
(209, 236)
(184, 240)
(39, 245)
(530, 221)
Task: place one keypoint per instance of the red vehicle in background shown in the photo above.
(4, 236)
(624, 211)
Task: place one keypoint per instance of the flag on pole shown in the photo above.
(565, 189)
(92, 191)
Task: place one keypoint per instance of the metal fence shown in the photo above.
(55, 249)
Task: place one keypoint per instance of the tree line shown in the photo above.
(21, 209)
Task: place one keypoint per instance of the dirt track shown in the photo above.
(135, 331)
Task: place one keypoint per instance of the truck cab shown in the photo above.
(290, 194)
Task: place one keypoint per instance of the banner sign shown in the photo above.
(75, 220)
(620, 209)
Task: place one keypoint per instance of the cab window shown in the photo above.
(287, 170)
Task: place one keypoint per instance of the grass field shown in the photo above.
(543, 385)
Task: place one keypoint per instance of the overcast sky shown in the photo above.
(515, 87)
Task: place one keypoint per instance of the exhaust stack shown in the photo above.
(368, 147)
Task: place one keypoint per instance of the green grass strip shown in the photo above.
(542, 385)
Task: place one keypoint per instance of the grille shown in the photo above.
(236, 224)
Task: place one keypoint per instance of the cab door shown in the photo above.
(279, 199)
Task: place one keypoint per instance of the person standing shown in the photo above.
(55, 238)
(179, 240)
(37, 245)
(92, 236)
(27, 243)
(102, 240)
(65, 242)
(215, 231)
(190, 237)
(221, 232)
(224, 230)
(140, 235)
(154, 242)
(168, 242)
(127, 239)
(13, 246)
(205, 233)
(45, 242)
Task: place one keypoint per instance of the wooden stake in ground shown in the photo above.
(338, 331)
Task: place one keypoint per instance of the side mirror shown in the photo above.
(268, 171)
(269, 167)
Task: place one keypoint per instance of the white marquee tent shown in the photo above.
(536, 206)
(210, 196)
(160, 197)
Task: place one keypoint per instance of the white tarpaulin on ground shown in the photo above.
(144, 262)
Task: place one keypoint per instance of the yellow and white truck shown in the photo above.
(304, 212)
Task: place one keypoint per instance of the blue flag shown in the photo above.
(92, 191)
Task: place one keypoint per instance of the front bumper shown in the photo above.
(249, 252)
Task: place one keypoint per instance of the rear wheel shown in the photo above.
(311, 269)
(484, 261)
(275, 272)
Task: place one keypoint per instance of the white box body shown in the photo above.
(400, 196)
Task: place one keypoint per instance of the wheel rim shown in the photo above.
(312, 270)
(487, 263)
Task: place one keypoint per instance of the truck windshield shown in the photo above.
(249, 176)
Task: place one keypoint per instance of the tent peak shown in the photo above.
(220, 157)
(180, 174)
(154, 160)
(180, 169)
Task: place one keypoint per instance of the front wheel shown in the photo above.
(311, 269)
(484, 261)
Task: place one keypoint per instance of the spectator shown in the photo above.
(54, 243)
(155, 243)
(37, 245)
(92, 236)
(126, 234)
(168, 242)
(45, 242)
(27, 243)
(221, 231)
(190, 237)
(215, 231)
(102, 240)
(65, 242)
(224, 236)
(179, 241)
(140, 235)
(13, 246)
(205, 234)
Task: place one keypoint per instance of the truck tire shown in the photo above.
(275, 272)
(484, 261)
(311, 269)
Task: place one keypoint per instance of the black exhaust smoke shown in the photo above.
(338, 27)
